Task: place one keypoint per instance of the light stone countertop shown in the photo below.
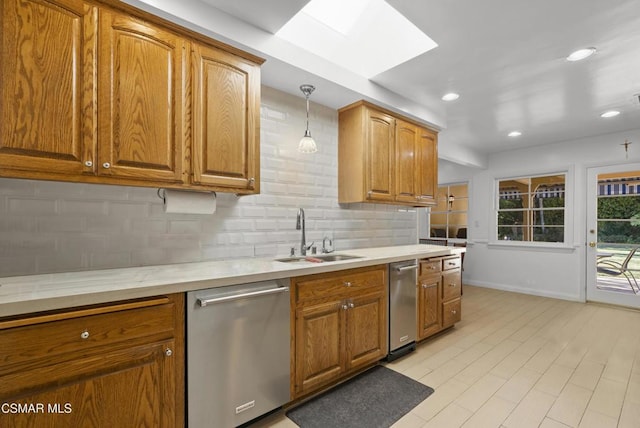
(34, 293)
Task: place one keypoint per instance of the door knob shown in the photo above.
(592, 244)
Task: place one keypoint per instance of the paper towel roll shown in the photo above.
(185, 202)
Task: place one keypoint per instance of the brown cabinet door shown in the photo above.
(141, 99)
(429, 319)
(319, 358)
(226, 120)
(131, 387)
(380, 156)
(406, 184)
(47, 78)
(366, 329)
(426, 177)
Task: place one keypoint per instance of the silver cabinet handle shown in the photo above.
(106, 165)
(347, 284)
(88, 163)
(345, 307)
(453, 311)
(404, 268)
(429, 286)
(206, 302)
(168, 352)
(452, 285)
(84, 335)
(351, 305)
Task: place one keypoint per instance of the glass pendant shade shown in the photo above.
(307, 143)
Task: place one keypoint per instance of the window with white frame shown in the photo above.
(531, 209)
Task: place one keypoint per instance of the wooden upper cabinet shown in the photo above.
(366, 153)
(226, 120)
(416, 164)
(47, 111)
(141, 93)
(406, 165)
(100, 92)
(384, 158)
(380, 154)
(427, 166)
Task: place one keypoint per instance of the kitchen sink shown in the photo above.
(322, 257)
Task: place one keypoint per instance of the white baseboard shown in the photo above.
(534, 292)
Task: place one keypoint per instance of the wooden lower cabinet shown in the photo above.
(340, 325)
(429, 303)
(108, 366)
(439, 295)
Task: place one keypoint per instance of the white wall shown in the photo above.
(541, 271)
(57, 227)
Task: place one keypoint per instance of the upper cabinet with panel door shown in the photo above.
(47, 79)
(101, 92)
(226, 110)
(385, 158)
(141, 87)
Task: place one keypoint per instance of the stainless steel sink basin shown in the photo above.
(323, 257)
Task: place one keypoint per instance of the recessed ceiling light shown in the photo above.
(610, 113)
(451, 96)
(515, 134)
(581, 54)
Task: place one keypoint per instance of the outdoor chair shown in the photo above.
(616, 269)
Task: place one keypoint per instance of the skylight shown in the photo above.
(367, 37)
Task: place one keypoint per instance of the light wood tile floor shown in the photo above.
(518, 361)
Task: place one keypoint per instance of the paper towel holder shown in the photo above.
(161, 194)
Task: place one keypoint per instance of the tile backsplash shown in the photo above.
(50, 227)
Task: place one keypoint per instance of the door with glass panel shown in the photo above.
(613, 235)
(448, 219)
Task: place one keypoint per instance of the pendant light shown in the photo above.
(307, 143)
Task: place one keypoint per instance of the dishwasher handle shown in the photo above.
(209, 301)
(408, 267)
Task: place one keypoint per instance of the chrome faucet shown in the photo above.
(300, 226)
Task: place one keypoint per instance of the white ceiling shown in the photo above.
(506, 58)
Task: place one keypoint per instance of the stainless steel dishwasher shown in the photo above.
(403, 278)
(238, 359)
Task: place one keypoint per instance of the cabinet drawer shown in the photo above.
(452, 263)
(450, 285)
(85, 333)
(451, 312)
(429, 267)
(339, 283)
